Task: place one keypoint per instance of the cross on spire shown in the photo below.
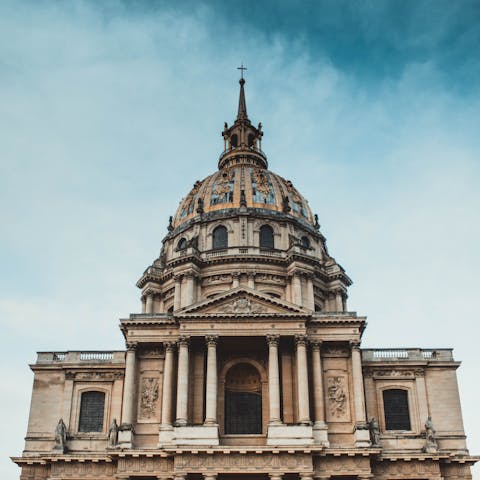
(241, 68)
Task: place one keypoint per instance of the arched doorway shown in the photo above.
(243, 400)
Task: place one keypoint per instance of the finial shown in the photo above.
(241, 68)
(170, 224)
(242, 105)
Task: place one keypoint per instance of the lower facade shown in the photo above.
(244, 464)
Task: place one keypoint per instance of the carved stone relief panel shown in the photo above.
(335, 351)
(148, 398)
(327, 466)
(92, 470)
(245, 463)
(142, 464)
(402, 470)
(338, 404)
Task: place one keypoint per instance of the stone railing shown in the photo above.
(238, 251)
(406, 354)
(81, 357)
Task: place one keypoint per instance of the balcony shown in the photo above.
(86, 357)
(407, 354)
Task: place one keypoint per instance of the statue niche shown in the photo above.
(243, 400)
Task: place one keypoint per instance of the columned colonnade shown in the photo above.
(298, 290)
(211, 385)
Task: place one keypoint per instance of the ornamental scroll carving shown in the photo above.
(244, 463)
(337, 396)
(242, 305)
(149, 397)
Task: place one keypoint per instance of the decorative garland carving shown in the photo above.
(242, 305)
(149, 397)
(337, 396)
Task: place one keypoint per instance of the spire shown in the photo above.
(242, 104)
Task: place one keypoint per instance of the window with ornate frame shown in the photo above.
(220, 237)
(396, 409)
(92, 411)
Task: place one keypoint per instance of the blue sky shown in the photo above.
(109, 111)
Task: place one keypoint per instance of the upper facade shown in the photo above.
(244, 360)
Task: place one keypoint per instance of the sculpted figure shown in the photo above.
(113, 434)
(60, 436)
(374, 432)
(430, 432)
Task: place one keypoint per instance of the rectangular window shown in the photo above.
(92, 408)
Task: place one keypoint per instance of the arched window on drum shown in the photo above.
(266, 237)
(220, 237)
(243, 400)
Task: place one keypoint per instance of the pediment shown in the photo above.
(242, 301)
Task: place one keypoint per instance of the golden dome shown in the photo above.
(246, 185)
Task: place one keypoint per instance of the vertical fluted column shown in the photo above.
(182, 382)
(167, 393)
(319, 405)
(129, 385)
(310, 295)
(358, 391)
(251, 280)
(302, 380)
(177, 298)
(338, 301)
(297, 289)
(149, 303)
(212, 382)
(190, 290)
(273, 379)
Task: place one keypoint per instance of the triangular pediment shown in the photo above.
(242, 301)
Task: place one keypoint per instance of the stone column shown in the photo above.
(276, 476)
(144, 304)
(302, 380)
(319, 406)
(338, 301)
(149, 303)
(177, 299)
(273, 379)
(212, 382)
(209, 476)
(182, 383)
(320, 433)
(190, 290)
(129, 386)
(296, 283)
(358, 391)
(167, 388)
(306, 476)
(310, 296)
(251, 280)
(235, 280)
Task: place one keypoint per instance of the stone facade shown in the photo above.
(245, 360)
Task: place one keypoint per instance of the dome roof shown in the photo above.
(243, 179)
(246, 185)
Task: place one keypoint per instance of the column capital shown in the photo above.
(209, 476)
(306, 476)
(301, 340)
(273, 339)
(183, 341)
(316, 345)
(236, 274)
(211, 340)
(178, 278)
(251, 274)
(276, 476)
(169, 346)
(132, 346)
(354, 344)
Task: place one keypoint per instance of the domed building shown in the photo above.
(245, 362)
